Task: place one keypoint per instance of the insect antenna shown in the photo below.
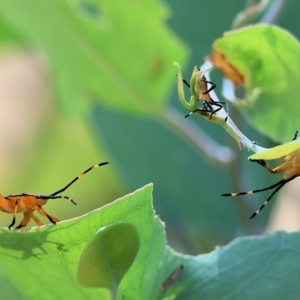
(53, 195)
(190, 113)
(268, 200)
(279, 185)
(186, 83)
(255, 191)
(57, 197)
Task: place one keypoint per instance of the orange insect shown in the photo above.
(28, 203)
(203, 89)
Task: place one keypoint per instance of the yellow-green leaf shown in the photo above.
(108, 256)
(277, 152)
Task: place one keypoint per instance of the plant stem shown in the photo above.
(204, 144)
(236, 182)
(251, 11)
(273, 12)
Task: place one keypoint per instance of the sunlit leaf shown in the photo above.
(267, 57)
(43, 263)
(108, 256)
(247, 268)
(277, 152)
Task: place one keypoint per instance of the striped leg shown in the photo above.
(52, 219)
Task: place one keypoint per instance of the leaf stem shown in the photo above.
(222, 118)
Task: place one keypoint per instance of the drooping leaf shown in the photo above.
(267, 58)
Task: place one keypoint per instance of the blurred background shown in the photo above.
(83, 82)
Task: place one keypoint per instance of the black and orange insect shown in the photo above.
(28, 203)
(291, 166)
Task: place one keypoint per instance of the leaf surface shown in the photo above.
(108, 256)
(43, 263)
(267, 57)
(91, 54)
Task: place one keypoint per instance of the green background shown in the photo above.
(109, 81)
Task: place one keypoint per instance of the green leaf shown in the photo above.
(248, 268)
(9, 290)
(267, 57)
(8, 36)
(92, 54)
(108, 256)
(160, 160)
(42, 263)
(277, 152)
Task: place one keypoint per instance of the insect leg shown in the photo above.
(207, 108)
(263, 164)
(27, 217)
(14, 213)
(213, 85)
(276, 170)
(52, 219)
(295, 136)
(213, 111)
(216, 103)
(206, 105)
(37, 220)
